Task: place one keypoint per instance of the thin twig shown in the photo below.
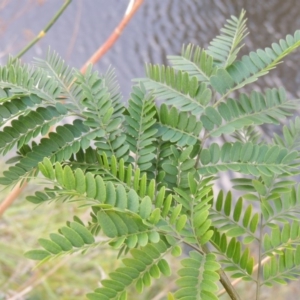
(228, 286)
(44, 31)
(115, 35)
(11, 198)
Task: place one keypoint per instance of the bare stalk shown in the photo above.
(228, 286)
(44, 31)
(11, 198)
(131, 10)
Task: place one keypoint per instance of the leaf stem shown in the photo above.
(44, 31)
(259, 258)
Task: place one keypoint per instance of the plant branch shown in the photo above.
(11, 197)
(44, 31)
(228, 286)
(225, 281)
(131, 10)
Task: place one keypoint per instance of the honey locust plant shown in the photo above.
(147, 171)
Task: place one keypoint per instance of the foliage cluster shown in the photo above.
(146, 172)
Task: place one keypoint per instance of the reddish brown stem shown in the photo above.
(113, 37)
(11, 198)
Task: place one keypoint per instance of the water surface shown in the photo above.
(159, 28)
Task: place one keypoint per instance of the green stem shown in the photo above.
(225, 281)
(202, 142)
(44, 31)
(259, 258)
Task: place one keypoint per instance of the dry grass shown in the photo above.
(68, 277)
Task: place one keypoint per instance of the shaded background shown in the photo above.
(159, 28)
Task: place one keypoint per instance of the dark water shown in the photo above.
(159, 28)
